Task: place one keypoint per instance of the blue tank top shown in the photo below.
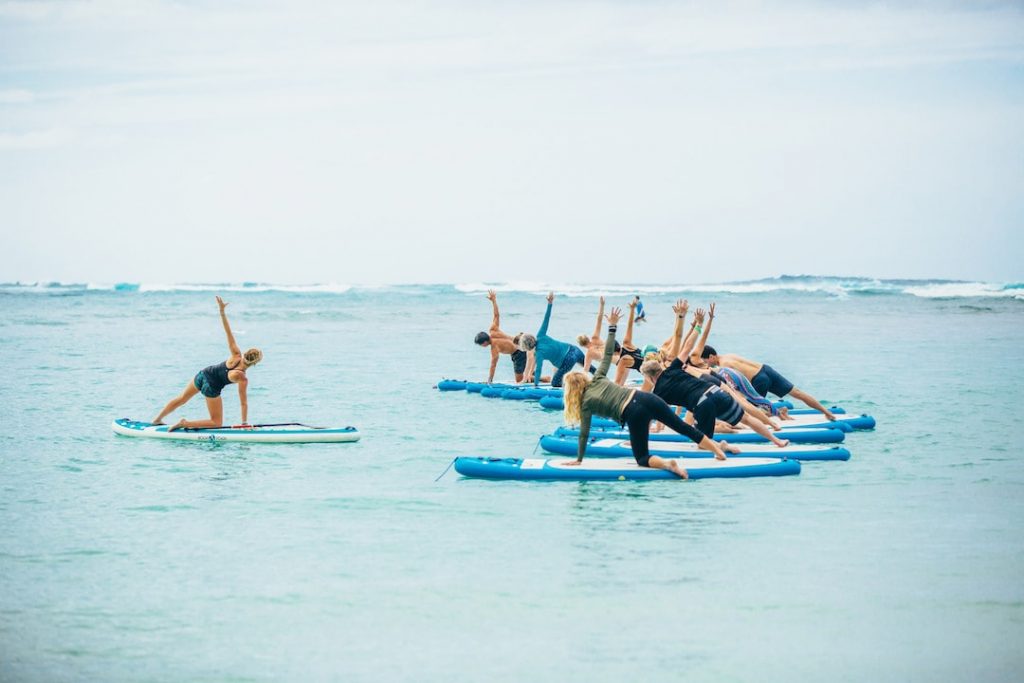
(217, 375)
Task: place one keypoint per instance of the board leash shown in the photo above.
(445, 470)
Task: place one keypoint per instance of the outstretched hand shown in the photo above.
(491, 296)
(222, 304)
(613, 316)
(551, 297)
(711, 311)
(681, 307)
(698, 316)
(634, 302)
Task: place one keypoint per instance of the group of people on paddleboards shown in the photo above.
(718, 391)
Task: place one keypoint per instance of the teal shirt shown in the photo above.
(548, 349)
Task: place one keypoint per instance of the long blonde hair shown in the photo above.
(573, 386)
(252, 357)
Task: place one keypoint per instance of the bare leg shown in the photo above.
(759, 427)
(215, 406)
(175, 403)
(812, 402)
(668, 464)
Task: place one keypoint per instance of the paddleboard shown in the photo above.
(614, 431)
(619, 469)
(283, 433)
(619, 448)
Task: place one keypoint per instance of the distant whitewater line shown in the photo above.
(839, 287)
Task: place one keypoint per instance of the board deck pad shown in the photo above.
(276, 433)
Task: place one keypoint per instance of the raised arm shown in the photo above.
(698, 319)
(628, 339)
(600, 320)
(679, 309)
(547, 316)
(699, 349)
(594, 337)
(609, 345)
(227, 328)
(496, 320)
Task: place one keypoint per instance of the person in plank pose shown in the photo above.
(563, 356)
(702, 396)
(501, 343)
(585, 397)
(763, 377)
(210, 381)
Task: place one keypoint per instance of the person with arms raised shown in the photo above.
(210, 381)
(585, 397)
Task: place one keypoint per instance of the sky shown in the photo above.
(553, 141)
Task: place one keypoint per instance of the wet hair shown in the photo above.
(708, 352)
(573, 386)
(527, 342)
(583, 340)
(481, 337)
(252, 357)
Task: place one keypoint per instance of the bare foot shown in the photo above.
(678, 469)
(179, 425)
(157, 422)
(728, 447)
(830, 416)
(781, 443)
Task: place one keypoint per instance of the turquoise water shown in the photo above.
(134, 560)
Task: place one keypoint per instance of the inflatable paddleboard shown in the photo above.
(619, 469)
(619, 448)
(614, 431)
(555, 402)
(282, 433)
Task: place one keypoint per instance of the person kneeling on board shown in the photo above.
(500, 342)
(210, 381)
(702, 396)
(563, 356)
(585, 397)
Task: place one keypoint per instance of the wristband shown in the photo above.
(698, 328)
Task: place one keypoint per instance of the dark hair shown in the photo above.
(481, 337)
(708, 352)
(618, 347)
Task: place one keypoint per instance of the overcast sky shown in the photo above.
(560, 141)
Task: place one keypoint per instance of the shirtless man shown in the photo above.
(499, 343)
(764, 378)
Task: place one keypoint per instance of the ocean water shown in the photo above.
(134, 560)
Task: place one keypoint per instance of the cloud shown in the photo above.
(36, 139)
(16, 97)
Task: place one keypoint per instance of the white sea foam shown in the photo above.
(330, 288)
(958, 290)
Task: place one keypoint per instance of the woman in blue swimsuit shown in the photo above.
(210, 381)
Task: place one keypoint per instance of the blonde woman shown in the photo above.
(585, 397)
(210, 381)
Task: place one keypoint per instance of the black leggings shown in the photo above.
(639, 412)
